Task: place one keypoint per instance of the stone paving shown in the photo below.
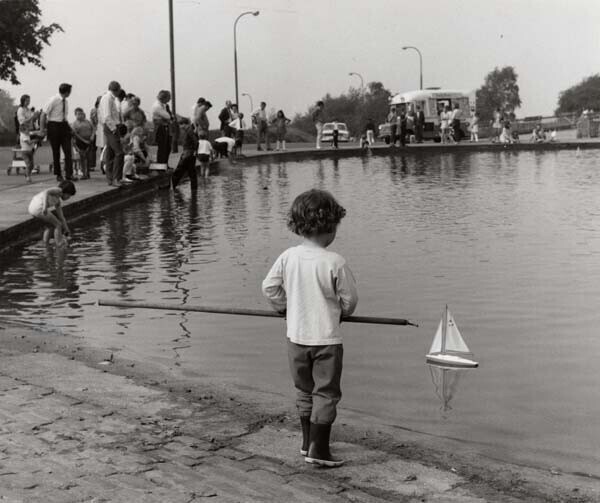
(73, 433)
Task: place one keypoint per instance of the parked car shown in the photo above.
(343, 134)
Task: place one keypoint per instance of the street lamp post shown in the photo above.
(172, 52)
(251, 105)
(254, 13)
(361, 81)
(420, 64)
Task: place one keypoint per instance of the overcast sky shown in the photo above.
(295, 51)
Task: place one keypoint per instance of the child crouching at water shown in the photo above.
(43, 203)
(315, 288)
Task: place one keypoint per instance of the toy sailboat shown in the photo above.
(448, 348)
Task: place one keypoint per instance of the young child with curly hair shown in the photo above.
(315, 288)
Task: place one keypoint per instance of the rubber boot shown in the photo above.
(318, 450)
(305, 422)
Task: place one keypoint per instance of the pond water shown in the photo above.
(509, 240)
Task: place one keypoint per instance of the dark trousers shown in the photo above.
(187, 164)
(163, 142)
(419, 132)
(317, 373)
(262, 131)
(59, 136)
(393, 134)
(334, 138)
(458, 133)
(114, 156)
(402, 135)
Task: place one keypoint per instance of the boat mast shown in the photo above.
(444, 328)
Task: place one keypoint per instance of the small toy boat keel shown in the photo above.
(449, 348)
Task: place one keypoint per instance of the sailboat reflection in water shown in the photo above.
(445, 381)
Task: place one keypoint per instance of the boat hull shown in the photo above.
(451, 361)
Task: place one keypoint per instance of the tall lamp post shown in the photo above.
(361, 81)
(254, 13)
(420, 64)
(251, 105)
(172, 50)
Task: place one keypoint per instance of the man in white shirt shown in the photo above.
(54, 123)
(455, 117)
(109, 117)
(259, 117)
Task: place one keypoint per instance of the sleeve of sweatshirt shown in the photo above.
(273, 288)
(346, 290)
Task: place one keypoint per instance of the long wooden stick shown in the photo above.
(243, 312)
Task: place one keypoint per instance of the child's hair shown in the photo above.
(314, 212)
(79, 109)
(203, 135)
(137, 131)
(67, 187)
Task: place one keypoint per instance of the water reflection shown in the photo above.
(445, 382)
(421, 230)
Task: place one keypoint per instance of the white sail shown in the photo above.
(436, 345)
(454, 341)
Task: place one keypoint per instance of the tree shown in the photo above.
(585, 95)
(352, 108)
(22, 36)
(7, 112)
(499, 90)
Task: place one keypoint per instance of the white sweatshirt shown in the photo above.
(316, 287)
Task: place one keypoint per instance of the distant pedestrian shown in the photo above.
(55, 123)
(318, 121)
(314, 287)
(200, 117)
(161, 118)
(109, 118)
(134, 113)
(224, 147)
(445, 124)
(474, 127)
(225, 116)
(392, 119)
(419, 124)
(456, 127)
(47, 207)
(205, 153)
(238, 125)
(83, 136)
(187, 161)
(25, 121)
(370, 132)
(97, 141)
(411, 119)
(497, 125)
(259, 118)
(402, 127)
(335, 134)
(280, 121)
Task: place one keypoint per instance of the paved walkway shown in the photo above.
(72, 433)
